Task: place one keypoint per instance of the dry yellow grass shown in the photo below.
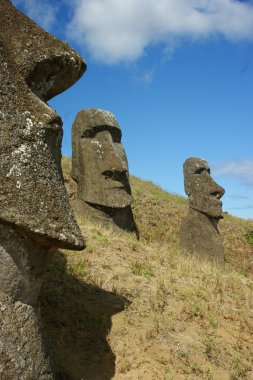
(127, 309)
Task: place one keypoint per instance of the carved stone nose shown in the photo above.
(217, 191)
(115, 174)
(53, 74)
(49, 66)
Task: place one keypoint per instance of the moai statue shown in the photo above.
(100, 169)
(199, 233)
(35, 215)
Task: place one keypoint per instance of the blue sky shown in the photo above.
(177, 74)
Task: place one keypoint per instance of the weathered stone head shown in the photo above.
(204, 193)
(34, 67)
(199, 233)
(99, 161)
(35, 214)
(100, 168)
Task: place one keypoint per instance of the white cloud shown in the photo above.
(40, 11)
(239, 170)
(118, 30)
(147, 77)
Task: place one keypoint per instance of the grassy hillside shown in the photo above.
(128, 309)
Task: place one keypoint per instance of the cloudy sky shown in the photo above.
(177, 74)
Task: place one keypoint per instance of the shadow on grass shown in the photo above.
(76, 319)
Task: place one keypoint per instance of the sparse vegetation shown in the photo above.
(249, 237)
(141, 270)
(127, 309)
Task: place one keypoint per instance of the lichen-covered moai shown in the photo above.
(199, 233)
(35, 215)
(100, 169)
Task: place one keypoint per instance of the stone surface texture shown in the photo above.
(35, 215)
(23, 261)
(199, 233)
(100, 169)
(22, 352)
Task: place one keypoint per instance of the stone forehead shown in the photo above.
(94, 118)
(193, 163)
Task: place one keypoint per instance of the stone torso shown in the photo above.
(199, 236)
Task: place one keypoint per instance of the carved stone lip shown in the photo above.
(216, 200)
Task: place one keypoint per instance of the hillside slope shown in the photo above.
(128, 309)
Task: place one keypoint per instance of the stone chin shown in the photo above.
(210, 207)
(111, 198)
(104, 191)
